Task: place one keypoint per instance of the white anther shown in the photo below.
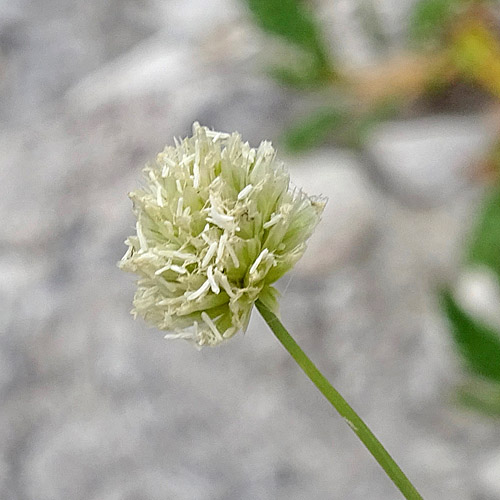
(182, 255)
(162, 270)
(180, 206)
(272, 221)
(196, 176)
(212, 249)
(222, 279)
(228, 333)
(201, 291)
(205, 238)
(186, 159)
(233, 255)
(180, 335)
(213, 285)
(159, 198)
(245, 192)
(178, 269)
(208, 321)
(142, 239)
(220, 250)
(221, 220)
(217, 135)
(170, 162)
(258, 260)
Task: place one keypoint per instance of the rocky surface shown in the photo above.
(427, 160)
(95, 406)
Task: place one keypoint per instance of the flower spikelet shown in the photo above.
(217, 224)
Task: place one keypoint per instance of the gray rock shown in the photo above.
(430, 159)
(349, 215)
(489, 476)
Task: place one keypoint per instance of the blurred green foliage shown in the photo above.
(485, 244)
(361, 126)
(478, 344)
(341, 124)
(295, 23)
(464, 48)
(304, 76)
(481, 395)
(315, 129)
(430, 19)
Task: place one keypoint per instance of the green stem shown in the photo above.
(340, 404)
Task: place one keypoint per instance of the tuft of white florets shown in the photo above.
(217, 224)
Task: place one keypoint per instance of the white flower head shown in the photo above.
(217, 224)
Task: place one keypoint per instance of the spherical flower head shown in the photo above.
(217, 224)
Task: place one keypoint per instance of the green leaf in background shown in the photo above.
(481, 395)
(485, 245)
(291, 20)
(478, 344)
(430, 19)
(341, 124)
(304, 77)
(361, 126)
(314, 129)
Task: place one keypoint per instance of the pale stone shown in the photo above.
(429, 159)
(489, 476)
(349, 214)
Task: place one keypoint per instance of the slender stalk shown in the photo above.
(340, 404)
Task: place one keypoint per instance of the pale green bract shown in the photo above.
(217, 224)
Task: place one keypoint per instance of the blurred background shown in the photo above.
(390, 108)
